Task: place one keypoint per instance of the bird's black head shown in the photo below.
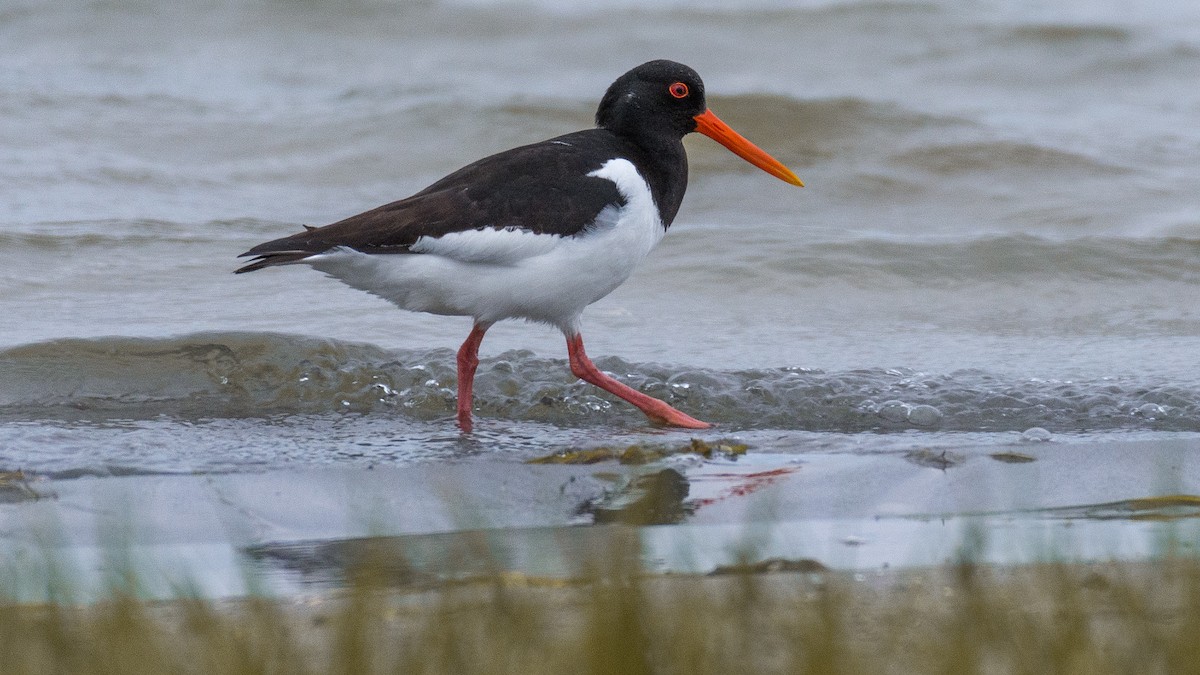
(656, 104)
(656, 99)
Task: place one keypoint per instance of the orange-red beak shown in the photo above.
(710, 125)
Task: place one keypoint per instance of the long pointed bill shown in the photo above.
(710, 125)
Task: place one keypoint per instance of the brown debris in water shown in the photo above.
(934, 459)
(1012, 457)
(638, 454)
(654, 499)
(15, 487)
(771, 566)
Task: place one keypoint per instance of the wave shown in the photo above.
(872, 261)
(996, 156)
(1011, 260)
(1067, 33)
(74, 235)
(675, 7)
(234, 375)
(810, 130)
(1015, 258)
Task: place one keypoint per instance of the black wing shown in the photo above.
(543, 188)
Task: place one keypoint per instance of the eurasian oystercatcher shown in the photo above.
(537, 232)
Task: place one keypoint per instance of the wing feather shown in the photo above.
(543, 188)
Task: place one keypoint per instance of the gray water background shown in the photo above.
(1001, 228)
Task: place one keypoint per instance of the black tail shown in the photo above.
(272, 259)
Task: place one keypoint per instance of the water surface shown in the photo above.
(999, 243)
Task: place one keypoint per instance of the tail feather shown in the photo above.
(274, 258)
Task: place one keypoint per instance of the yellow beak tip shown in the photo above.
(787, 176)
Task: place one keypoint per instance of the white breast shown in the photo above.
(500, 274)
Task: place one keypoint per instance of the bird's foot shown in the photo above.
(670, 417)
(464, 421)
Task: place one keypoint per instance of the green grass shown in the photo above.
(1139, 617)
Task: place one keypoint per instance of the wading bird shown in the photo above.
(538, 232)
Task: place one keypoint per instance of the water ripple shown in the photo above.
(232, 375)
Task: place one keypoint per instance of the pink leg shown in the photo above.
(656, 410)
(468, 361)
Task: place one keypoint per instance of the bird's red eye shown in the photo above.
(678, 90)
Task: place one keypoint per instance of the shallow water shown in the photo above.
(214, 401)
(999, 242)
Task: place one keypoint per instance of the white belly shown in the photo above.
(500, 274)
